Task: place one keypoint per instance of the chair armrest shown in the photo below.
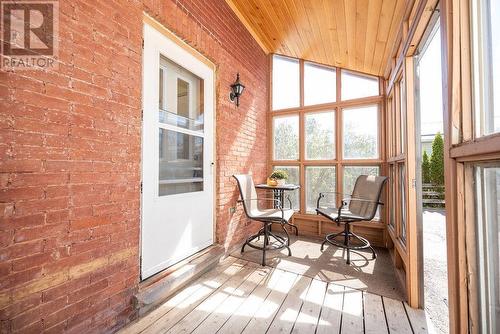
(322, 195)
(344, 201)
(359, 199)
(279, 206)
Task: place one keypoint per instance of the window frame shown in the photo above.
(397, 160)
(337, 107)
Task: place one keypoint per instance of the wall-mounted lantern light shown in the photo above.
(236, 90)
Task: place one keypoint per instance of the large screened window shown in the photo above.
(486, 65)
(351, 173)
(286, 83)
(320, 84)
(355, 86)
(360, 125)
(320, 135)
(292, 197)
(318, 179)
(286, 137)
(324, 135)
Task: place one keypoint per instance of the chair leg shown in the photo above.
(287, 244)
(323, 244)
(346, 242)
(261, 231)
(266, 241)
(374, 255)
(287, 235)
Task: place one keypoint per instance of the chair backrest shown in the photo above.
(365, 196)
(247, 192)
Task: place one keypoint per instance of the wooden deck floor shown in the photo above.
(243, 297)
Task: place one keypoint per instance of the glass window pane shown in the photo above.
(286, 83)
(402, 194)
(319, 179)
(320, 135)
(392, 195)
(286, 137)
(360, 132)
(402, 110)
(320, 84)
(356, 86)
(429, 85)
(180, 163)
(488, 244)
(486, 65)
(293, 178)
(351, 174)
(182, 98)
(181, 95)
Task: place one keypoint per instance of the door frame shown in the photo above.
(426, 39)
(148, 20)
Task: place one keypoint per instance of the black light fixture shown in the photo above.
(236, 90)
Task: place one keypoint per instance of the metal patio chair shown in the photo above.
(266, 216)
(361, 205)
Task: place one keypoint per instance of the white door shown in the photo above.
(177, 153)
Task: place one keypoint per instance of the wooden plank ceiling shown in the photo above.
(353, 34)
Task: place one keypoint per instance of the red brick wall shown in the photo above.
(70, 160)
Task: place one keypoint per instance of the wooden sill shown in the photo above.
(154, 290)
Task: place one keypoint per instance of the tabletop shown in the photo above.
(289, 186)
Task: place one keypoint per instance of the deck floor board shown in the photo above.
(242, 297)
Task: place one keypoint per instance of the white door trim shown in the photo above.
(156, 42)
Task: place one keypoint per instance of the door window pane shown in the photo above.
(320, 84)
(286, 83)
(293, 178)
(320, 135)
(360, 127)
(486, 65)
(286, 138)
(488, 245)
(181, 97)
(161, 101)
(180, 163)
(319, 179)
(356, 86)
